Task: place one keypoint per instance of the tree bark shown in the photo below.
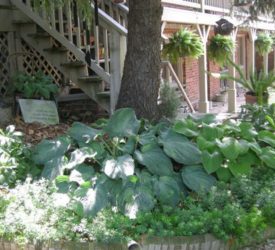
(141, 76)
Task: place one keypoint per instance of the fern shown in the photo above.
(220, 48)
(183, 43)
(263, 43)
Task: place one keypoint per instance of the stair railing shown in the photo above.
(102, 48)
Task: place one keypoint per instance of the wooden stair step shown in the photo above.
(39, 35)
(72, 97)
(56, 49)
(22, 22)
(104, 94)
(73, 64)
(90, 79)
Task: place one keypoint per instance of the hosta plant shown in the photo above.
(183, 43)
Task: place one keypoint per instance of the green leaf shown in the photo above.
(248, 132)
(94, 201)
(83, 133)
(123, 123)
(230, 148)
(267, 137)
(179, 148)
(121, 167)
(147, 137)
(211, 132)
(155, 160)
(130, 145)
(205, 144)
(268, 157)
(212, 162)
(49, 149)
(224, 174)
(54, 168)
(78, 208)
(243, 146)
(186, 127)
(79, 156)
(196, 179)
(82, 173)
(239, 168)
(167, 191)
(136, 198)
(255, 147)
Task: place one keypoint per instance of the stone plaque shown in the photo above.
(41, 111)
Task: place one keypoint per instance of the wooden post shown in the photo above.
(202, 6)
(69, 22)
(251, 51)
(232, 91)
(203, 77)
(265, 58)
(60, 21)
(117, 54)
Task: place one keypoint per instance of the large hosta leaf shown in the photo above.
(211, 132)
(123, 123)
(155, 160)
(186, 127)
(268, 157)
(136, 198)
(230, 148)
(82, 133)
(248, 132)
(239, 168)
(267, 137)
(195, 178)
(179, 148)
(205, 144)
(224, 174)
(54, 168)
(167, 191)
(79, 156)
(82, 173)
(50, 149)
(121, 167)
(212, 162)
(93, 201)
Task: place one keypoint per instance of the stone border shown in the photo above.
(200, 242)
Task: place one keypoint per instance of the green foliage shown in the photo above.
(257, 83)
(220, 48)
(264, 44)
(35, 86)
(183, 43)
(15, 161)
(169, 102)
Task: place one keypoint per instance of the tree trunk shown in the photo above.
(141, 76)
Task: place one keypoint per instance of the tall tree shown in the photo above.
(141, 76)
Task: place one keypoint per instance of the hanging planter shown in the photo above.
(264, 44)
(220, 48)
(223, 27)
(183, 43)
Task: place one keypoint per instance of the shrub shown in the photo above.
(169, 102)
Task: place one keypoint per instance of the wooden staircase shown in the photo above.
(65, 42)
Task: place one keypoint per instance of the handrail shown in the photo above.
(169, 65)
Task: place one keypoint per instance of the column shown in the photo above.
(232, 91)
(251, 51)
(203, 76)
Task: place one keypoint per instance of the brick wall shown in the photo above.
(191, 75)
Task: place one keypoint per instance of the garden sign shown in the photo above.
(41, 111)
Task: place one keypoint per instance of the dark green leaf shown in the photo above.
(212, 162)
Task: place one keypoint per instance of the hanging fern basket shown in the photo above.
(264, 44)
(220, 48)
(183, 43)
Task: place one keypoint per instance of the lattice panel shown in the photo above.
(4, 63)
(33, 62)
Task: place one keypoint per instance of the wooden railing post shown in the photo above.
(117, 54)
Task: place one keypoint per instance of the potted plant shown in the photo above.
(183, 43)
(37, 86)
(220, 48)
(257, 84)
(264, 44)
(35, 95)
